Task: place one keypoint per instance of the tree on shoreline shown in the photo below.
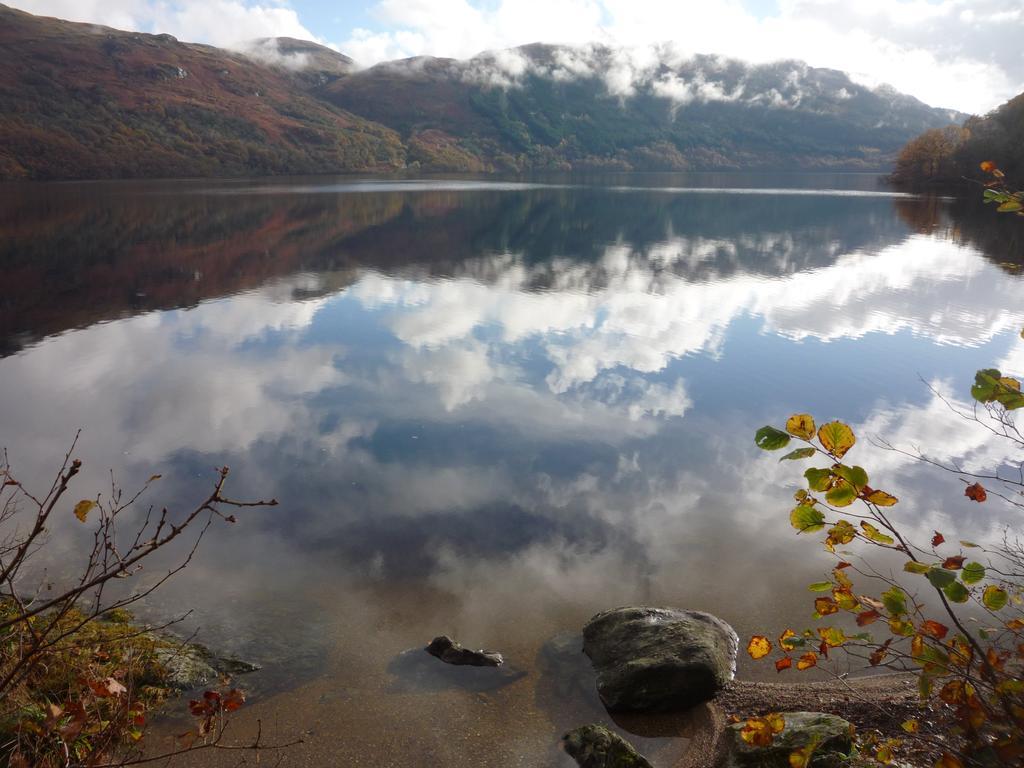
(970, 672)
(78, 679)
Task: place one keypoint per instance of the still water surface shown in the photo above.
(488, 410)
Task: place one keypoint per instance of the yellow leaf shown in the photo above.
(837, 438)
(785, 640)
(840, 533)
(874, 534)
(801, 758)
(759, 647)
(881, 498)
(775, 721)
(83, 508)
(833, 637)
(911, 726)
(800, 425)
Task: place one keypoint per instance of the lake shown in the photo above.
(490, 409)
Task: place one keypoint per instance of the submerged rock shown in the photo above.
(594, 746)
(833, 736)
(658, 659)
(450, 652)
(413, 670)
(191, 665)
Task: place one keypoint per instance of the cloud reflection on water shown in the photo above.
(536, 405)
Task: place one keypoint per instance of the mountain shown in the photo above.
(81, 101)
(544, 106)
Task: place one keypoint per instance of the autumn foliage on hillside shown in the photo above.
(79, 101)
(956, 153)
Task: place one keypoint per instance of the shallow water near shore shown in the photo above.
(489, 410)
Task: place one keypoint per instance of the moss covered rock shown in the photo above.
(594, 746)
(832, 735)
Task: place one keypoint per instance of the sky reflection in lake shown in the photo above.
(489, 412)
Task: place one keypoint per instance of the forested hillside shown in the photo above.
(81, 101)
(954, 154)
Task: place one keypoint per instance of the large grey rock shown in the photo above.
(594, 746)
(833, 736)
(658, 659)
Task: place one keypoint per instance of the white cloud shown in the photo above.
(953, 53)
(616, 313)
(963, 54)
(217, 22)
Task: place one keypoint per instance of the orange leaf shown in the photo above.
(954, 563)
(949, 761)
(784, 663)
(759, 647)
(975, 492)
(808, 660)
(867, 617)
(233, 700)
(107, 688)
(937, 539)
(934, 629)
(825, 605)
(879, 653)
(760, 731)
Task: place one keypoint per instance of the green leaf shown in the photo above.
(994, 598)
(940, 577)
(818, 479)
(931, 655)
(820, 586)
(924, 686)
(855, 476)
(991, 386)
(895, 601)
(969, 544)
(842, 494)
(973, 573)
(986, 382)
(837, 438)
(770, 439)
(799, 453)
(1010, 206)
(956, 592)
(912, 566)
(806, 519)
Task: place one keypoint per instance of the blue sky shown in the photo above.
(964, 54)
(336, 19)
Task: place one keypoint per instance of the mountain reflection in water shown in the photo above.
(488, 412)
